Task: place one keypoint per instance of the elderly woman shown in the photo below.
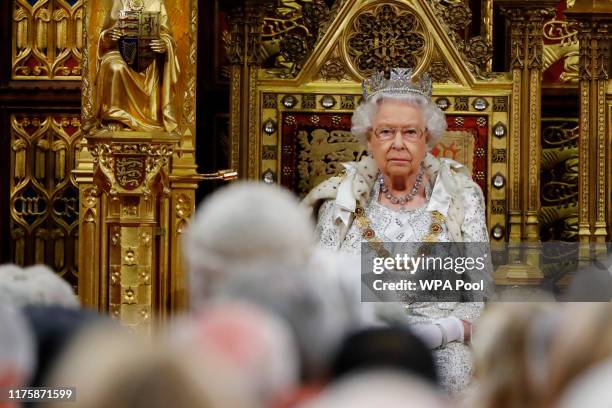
(401, 193)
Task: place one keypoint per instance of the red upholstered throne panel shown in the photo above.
(313, 145)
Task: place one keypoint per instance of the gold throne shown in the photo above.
(297, 128)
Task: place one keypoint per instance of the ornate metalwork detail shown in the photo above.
(561, 44)
(384, 37)
(129, 171)
(269, 177)
(499, 181)
(500, 130)
(461, 103)
(559, 180)
(309, 101)
(189, 100)
(443, 103)
(500, 104)
(269, 126)
(289, 101)
(563, 31)
(333, 70)
(244, 36)
(183, 211)
(535, 35)
(498, 156)
(480, 104)
(290, 31)
(321, 153)
(455, 16)
(478, 52)
(498, 232)
(347, 102)
(268, 152)
(44, 211)
(328, 102)
(439, 72)
(130, 175)
(498, 206)
(269, 101)
(47, 39)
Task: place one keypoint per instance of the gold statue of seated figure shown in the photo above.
(137, 69)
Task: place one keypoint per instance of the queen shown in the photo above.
(138, 96)
(399, 192)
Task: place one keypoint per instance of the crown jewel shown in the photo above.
(399, 83)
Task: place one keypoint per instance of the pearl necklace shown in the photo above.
(408, 197)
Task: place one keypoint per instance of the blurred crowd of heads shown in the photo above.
(276, 322)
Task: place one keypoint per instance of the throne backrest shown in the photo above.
(315, 145)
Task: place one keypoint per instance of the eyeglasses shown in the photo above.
(409, 134)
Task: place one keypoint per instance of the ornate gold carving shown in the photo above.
(290, 32)
(594, 37)
(559, 213)
(498, 206)
(462, 103)
(189, 100)
(243, 39)
(534, 139)
(498, 155)
(500, 104)
(455, 16)
(270, 101)
(127, 166)
(321, 154)
(333, 70)
(439, 71)
(44, 205)
(130, 288)
(563, 31)
(384, 36)
(236, 120)
(253, 141)
(47, 39)
(183, 209)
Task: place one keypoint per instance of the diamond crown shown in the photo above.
(400, 83)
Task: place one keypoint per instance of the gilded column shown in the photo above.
(532, 137)
(594, 21)
(526, 23)
(517, 66)
(242, 48)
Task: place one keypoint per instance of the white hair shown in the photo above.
(590, 389)
(367, 110)
(256, 343)
(310, 300)
(16, 346)
(245, 227)
(35, 285)
(379, 388)
(127, 370)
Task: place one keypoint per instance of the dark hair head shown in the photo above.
(385, 348)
